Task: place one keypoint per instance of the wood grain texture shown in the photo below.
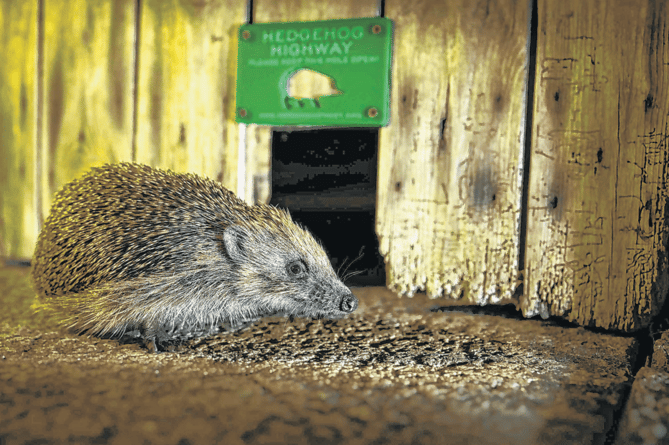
(597, 221)
(258, 144)
(88, 88)
(258, 148)
(18, 76)
(449, 178)
(186, 85)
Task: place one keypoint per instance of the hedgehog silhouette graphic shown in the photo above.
(308, 84)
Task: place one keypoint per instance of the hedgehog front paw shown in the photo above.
(151, 344)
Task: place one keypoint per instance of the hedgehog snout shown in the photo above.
(348, 303)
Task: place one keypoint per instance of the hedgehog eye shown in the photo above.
(296, 269)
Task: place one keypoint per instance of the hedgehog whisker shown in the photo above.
(351, 274)
(341, 265)
(360, 255)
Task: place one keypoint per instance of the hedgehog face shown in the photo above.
(283, 270)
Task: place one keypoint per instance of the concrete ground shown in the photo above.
(396, 371)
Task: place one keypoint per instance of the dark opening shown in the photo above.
(327, 180)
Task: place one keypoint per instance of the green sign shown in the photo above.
(332, 72)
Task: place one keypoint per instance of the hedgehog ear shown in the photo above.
(234, 240)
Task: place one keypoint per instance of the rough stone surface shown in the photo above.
(661, 353)
(394, 372)
(646, 416)
(645, 419)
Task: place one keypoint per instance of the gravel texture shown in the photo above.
(396, 371)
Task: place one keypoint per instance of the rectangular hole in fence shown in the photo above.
(326, 178)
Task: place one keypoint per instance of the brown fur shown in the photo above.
(129, 248)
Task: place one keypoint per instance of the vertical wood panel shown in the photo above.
(88, 88)
(597, 228)
(258, 179)
(449, 163)
(18, 75)
(186, 85)
(307, 10)
(259, 138)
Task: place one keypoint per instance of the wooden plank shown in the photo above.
(187, 64)
(306, 10)
(258, 149)
(88, 88)
(596, 240)
(18, 200)
(258, 144)
(449, 201)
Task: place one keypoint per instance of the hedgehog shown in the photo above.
(131, 250)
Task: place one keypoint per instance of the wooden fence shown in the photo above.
(522, 163)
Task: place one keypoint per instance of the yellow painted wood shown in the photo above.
(449, 177)
(258, 149)
(88, 88)
(18, 76)
(597, 228)
(258, 144)
(186, 87)
(307, 10)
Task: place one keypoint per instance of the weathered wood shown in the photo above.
(597, 227)
(18, 76)
(186, 86)
(258, 150)
(89, 54)
(450, 162)
(306, 10)
(258, 144)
